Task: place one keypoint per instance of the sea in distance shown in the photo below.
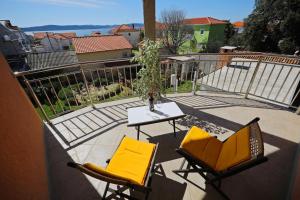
(80, 32)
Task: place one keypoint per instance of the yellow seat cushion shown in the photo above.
(131, 160)
(202, 146)
(235, 150)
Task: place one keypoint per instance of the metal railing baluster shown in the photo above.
(104, 70)
(113, 79)
(286, 77)
(131, 83)
(86, 87)
(176, 79)
(220, 72)
(267, 81)
(63, 90)
(245, 78)
(100, 84)
(239, 76)
(77, 84)
(125, 81)
(252, 78)
(224, 82)
(258, 83)
(48, 99)
(288, 91)
(215, 66)
(203, 72)
(292, 101)
(282, 66)
(59, 101)
(232, 76)
(35, 98)
(121, 89)
(71, 90)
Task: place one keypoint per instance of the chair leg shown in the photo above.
(182, 164)
(147, 195)
(105, 191)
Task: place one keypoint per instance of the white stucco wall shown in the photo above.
(132, 37)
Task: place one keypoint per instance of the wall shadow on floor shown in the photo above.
(65, 182)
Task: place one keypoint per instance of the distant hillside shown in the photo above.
(71, 27)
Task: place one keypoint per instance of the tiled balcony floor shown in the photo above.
(92, 135)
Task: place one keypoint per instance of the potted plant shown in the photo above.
(148, 84)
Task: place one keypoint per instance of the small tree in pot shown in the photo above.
(148, 84)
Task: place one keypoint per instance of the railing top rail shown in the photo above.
(81, 64)
(278, 63)
(66, 66)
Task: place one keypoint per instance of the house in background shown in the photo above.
(14, 45)
(129, 32)
(38, 61)
(13, 40)
(52, 42)
(91, 48)
(239, 26)
(208, 32)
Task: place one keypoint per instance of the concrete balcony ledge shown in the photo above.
(92, 134)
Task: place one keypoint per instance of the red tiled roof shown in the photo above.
(40, 35)
(90, 44)
(204, 20)
(122, 28)
(239, 24)
(66, 35)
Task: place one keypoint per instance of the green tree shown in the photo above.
(273, 25)
(229, 32)
(173, 31)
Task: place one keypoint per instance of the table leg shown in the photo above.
(138, 132)
(174, 127)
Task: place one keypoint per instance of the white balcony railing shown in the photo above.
(55, 91)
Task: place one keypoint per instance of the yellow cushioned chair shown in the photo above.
(131, 165)
(205, 153)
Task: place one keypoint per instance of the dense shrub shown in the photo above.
(72, 101)
(100, 82)
(65, 93)
(287, 46)
(109, 91)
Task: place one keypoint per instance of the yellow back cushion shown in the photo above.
(202, 146)
(235, 150)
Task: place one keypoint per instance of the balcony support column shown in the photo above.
(149, 19)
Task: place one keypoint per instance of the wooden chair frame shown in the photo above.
(146, 188)
(213, 177)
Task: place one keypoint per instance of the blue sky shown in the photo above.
(26, 13)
